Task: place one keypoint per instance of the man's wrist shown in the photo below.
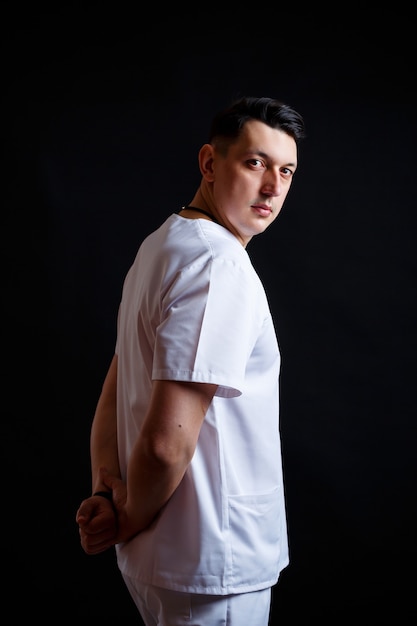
(104, 494)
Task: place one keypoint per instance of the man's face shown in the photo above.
(251, 182)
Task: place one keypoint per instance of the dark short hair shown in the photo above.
(227, 124)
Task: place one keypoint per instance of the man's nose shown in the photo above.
(272, 183)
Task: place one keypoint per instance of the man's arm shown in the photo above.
(96, 516)
(161, 454)
(103, 440)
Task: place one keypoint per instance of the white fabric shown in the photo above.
(194, 309)
(164, 607)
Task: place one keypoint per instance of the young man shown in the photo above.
(185, 445)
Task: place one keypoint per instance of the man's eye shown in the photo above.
(256, 162)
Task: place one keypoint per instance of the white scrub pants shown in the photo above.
(163, 607)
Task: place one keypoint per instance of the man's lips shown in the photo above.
(262, 209)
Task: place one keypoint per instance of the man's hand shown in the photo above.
(97, 522)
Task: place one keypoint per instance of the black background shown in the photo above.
(104, 110)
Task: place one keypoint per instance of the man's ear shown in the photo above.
(205, 161)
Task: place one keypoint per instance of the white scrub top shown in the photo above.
(193, 309)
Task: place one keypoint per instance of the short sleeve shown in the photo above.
(211, 315)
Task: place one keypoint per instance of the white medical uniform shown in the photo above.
(193, 309)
